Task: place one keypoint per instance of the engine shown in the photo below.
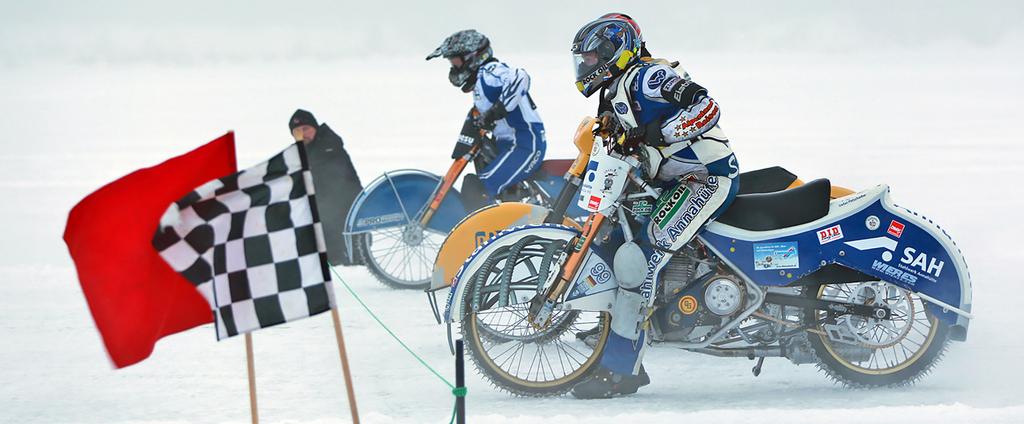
(694, 312)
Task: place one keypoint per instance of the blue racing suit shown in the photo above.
(698, 172)
(519, 135)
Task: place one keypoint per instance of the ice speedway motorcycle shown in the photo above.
(397, 223)
(483, 223)
(869, 291)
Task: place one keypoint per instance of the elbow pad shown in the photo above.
(682, 92)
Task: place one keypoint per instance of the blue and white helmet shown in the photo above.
(602, 50)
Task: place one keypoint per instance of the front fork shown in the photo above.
(446, 184)
(543, 304)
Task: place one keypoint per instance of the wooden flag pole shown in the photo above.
(252, 379)
(344, 366)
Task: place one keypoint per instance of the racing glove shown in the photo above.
(636, 137)
(487, 119)
(609, 122)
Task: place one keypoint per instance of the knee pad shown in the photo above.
(628, 314)
(630, 266)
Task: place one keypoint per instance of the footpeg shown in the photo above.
(757, 368)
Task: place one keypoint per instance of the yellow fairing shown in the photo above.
(836, 193)
(584, 141)
(475, 229)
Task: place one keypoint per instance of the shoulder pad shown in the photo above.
(652, 79)
(492, 73)
(671, 64)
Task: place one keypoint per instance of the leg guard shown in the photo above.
(628, 314)
(622, 355)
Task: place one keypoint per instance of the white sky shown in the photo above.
(196, 31)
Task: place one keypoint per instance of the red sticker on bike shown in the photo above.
(594, 202)
(896, 228)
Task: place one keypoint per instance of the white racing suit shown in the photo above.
(698, 172)
(519, 136)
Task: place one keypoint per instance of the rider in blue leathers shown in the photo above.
(672, 123)
(501, 104)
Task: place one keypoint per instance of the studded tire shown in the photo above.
(917, 365)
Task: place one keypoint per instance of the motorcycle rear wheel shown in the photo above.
(892, 353)
(401, 257)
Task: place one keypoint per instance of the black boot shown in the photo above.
(474, 194)
(604, 383)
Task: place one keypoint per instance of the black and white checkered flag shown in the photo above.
(252, 244)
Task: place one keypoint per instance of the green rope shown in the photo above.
(456, 391)
(393, 335)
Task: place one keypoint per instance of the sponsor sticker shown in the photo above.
(621, 108)
(592, 170)
(896, 228)
(872, 223)
(609, 181)
(668, 205)
(912, 266)
(382, 219)
(778, 255)
(481, 237)
(688, 304)
(642, 208)
(893, 272)
(594, 202)
(850, 199)
(693, 207)
(830, 234)
(921, 261)
(656, 79)
(603, 69)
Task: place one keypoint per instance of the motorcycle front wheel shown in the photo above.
(509, 351)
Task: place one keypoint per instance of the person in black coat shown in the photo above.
(334, 179)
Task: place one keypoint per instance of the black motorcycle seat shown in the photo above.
(766, 180)
(782, 209)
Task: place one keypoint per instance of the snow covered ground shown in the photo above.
(941, 124)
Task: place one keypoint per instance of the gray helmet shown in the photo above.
(473, 48)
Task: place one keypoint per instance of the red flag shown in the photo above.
(134, 296)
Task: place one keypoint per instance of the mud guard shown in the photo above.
(477, 228)
(397, 198)
(453, 306)
(865, 232)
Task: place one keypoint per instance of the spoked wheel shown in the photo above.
(872, 352)
(507, 349)
(402, 257)
(510, 323)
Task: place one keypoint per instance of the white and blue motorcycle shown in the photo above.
(869, 291)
